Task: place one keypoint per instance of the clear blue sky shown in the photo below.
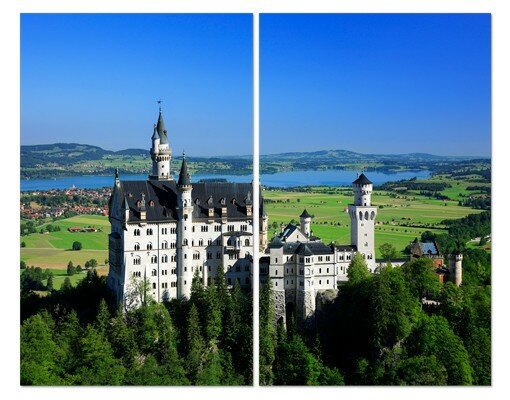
(375, 83)
(95, 79)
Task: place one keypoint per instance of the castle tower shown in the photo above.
(363, 215)
(305, 221)
(456, 268)
(161, 153)
(184, 233)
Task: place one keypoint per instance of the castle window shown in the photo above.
(200, 242)
(209, 256)
(164, 258)
(172, 245)
(173, 258)
(327, 282)
(276, 283)
(164, 285)
(204, 228)
(217, 228)
(218, 242)
(137, 261)
(154, 259)
(196, 256)
(149, 246)
(230, 228)
(244, 227)
(320, 270)
(173, 230)
(247, 242)
(151, 203)
(137, 274)
(154, 272)
(327, 270)
(173, 271)
(163, 231)
(173, 284)
(164, 245)
(136, 232)
(185, 242)
(137, 246)
(328, 258)
(154, 285)
(209, 242)
(149, 231)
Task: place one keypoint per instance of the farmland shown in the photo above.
(53, 249)
(400, 218)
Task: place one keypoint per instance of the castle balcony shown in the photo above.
(231, 249)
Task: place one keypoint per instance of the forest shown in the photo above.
(77, 336)
(377, 331)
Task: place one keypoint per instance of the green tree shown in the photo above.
(66, 285)
(97, 365)
(432, 336)
(93, 263)
(357, 270)
(23, 244)
(22, 264)
(194, 346)
(122, 340)
(421, 278)
(67, 337)
(39, 355)
(76, 246)
(422, 371)
(70, 268)
(49, 283)
(103, 317)
(388, 251)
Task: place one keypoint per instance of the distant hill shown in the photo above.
(67, 153)
(65, 159)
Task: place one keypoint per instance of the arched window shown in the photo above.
(149, 231)
(164, 258)
(137, 246)
(185, 242)
(372, 215)
(247, 242)
(137, 260)
(137, 232)
(149, 246)
(360, 215)
(154, 259)
(154, 272)
(366, 215)
(164, 245)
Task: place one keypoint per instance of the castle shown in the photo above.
(165, 232)
(303, 270)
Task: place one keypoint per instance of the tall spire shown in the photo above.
(160, 127)
(155, 135)
(184, 177)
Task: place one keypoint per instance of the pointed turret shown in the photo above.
(160, 128)
(161, 153)
(184, 177)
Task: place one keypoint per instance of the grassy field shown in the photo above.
(400, 218)
(53, 250)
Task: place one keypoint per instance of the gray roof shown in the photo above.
(161, 199)
(155, 135)
(160, 128)
(308, 248)
(276, 243)
(362, 180)
(184, 177)
(305, 214)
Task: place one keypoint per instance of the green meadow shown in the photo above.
(53, 249)
(400, 218)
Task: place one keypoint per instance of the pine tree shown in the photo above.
(267, 335)
(39, 355)
(97, 365)
(358, 270)
(103, 317)
(194, 346)
(49, 283)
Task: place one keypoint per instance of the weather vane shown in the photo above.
(159, 102)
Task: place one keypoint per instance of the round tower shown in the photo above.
(305, 221)
(363, 215)
(456, 268)
(184, 236)
(161, 153)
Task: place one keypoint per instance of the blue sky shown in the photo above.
(95, 79)
(388, 83)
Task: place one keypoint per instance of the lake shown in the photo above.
(280, 179)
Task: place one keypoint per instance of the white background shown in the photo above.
(9, 195)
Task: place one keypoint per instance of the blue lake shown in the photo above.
(281, 179)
